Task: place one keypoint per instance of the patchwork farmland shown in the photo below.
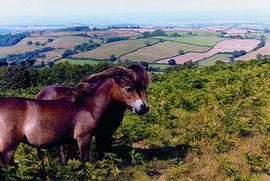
(115, 48)
(203, 45)
(223, 46)
(162, 50)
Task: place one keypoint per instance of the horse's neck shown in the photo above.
(98, 102)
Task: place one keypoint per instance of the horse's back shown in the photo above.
(12, 105)
(53, 92)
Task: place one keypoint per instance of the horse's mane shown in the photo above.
(121, 76)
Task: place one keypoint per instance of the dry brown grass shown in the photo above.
(68, 42)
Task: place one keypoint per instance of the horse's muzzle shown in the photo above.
(144, 109)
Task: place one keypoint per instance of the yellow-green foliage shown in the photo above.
(209, 123)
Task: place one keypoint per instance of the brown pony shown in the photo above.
(113, 115)
(73, 118)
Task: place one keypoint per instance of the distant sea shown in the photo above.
(252, 17)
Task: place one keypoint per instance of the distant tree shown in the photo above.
(146, 43)
(160, 40)
(42, 64)
(112, 58)
(51, 64)
(266, 30)
(189, 33)
(113, 39)
(29, 43)
(37, 43)
(3, 63)
(146, 34)
(222, 33)
(175, 34)
(259, 56)
(76, 28)
(158, 33)
(12, 39)
(261, 44)
(237, 54)
(67, 53)
(50, 40)
(172, 62)
(145, 64)
(190, 64)
(181, 52)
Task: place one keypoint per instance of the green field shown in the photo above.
(79, 62)
(212, 60)
(162, 50)
(195, 40)
(184, 33)
(161, 66)
(115, 48)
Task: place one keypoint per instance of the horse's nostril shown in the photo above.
(144, 108)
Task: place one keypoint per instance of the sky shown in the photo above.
(68, 8)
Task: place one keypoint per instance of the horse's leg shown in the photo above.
(83, 143)
(72, 151)
(7, 155)
(62, 155)
(103, 143)
(40, 154)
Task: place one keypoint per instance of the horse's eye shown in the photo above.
(128, 89)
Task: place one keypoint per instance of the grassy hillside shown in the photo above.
(209, 123)
(115, 48)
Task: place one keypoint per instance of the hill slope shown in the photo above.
(208, 123)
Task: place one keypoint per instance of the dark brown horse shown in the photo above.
(113, 115)
(73, 118)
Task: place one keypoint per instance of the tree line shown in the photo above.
(12, 39)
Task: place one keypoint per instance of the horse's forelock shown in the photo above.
(142, 75)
